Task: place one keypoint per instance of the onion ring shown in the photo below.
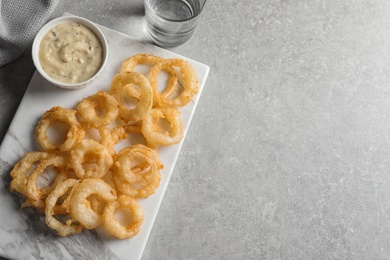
(87, 109)
(33, 193)
(79, 205)
(190, 83)
(130, 63)
(136, 171)
(23, 167)
(73, 136)
(90, 151)
(114, 227)
(118, 87)
(154, 134)
(51, 201)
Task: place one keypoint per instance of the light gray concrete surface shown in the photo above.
(287, 156)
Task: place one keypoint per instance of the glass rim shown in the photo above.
(173, 20)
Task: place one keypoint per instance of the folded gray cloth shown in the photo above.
(20, 21)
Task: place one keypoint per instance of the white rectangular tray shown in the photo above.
(23, 232)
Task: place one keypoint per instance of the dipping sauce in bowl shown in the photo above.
(70, 52)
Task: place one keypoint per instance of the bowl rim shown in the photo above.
(59, 20)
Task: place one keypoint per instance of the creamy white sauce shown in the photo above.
(70, 53)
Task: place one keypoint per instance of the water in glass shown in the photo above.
(172, 22)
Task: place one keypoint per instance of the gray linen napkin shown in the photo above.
(20, 21)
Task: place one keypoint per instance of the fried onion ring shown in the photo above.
(33, 193)
(23, 167)
(102, 101)
(130, 63)
(114, 227)
(51, 203)
(190, 83)
(154, 134)
(73, 136)
(89, 159)
(79, 205)
(136, 171)
(118, 87)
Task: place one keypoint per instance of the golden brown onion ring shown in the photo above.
(190, 83)
(33, 193)
(51, 203)
(114, 227)
(130, 63)
(89, 159)
(136, 171)
(73, 136)
(154, 134)
(101, 101)
(23, 168)
(80, 207)
(118, 87)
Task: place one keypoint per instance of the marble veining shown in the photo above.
(23, 232)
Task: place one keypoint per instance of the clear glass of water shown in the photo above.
(172, 22)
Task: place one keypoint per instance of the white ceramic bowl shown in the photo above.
(50, 25)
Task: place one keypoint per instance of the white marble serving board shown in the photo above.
(23, 232)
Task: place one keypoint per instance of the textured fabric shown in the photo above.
(20, 20)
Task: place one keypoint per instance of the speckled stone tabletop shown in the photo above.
(287, 155)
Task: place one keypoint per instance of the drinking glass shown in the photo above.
(171, 23)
